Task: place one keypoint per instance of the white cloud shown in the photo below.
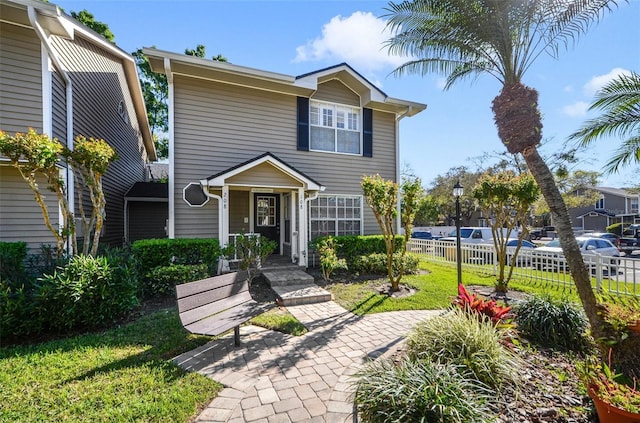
(599, 81)
(441, 83)
(358, 40)
(568, 89)
(577, 109)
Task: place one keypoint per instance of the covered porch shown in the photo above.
(264, 196)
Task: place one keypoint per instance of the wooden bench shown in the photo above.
(214, 305)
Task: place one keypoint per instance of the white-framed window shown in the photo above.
(334, 128)
(634, 205)
(600, 204)
(335, 215)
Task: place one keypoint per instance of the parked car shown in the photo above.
(551, 257)
(524, 255)
(422, 235)
(615, 239)
(543, 232)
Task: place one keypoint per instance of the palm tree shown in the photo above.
(620, 102)
(503, 38)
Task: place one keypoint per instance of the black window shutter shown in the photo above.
(367, 132)
(303, 123)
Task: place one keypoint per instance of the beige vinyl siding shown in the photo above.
(20, 216)
(238, 210)
(267, 175)
(336, 92)
(59, 107)
(218, 126)
(20, 79)
(99, 86)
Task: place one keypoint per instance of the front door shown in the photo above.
(267, 217)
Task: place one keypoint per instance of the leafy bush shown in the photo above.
(420, 391)
(89, 292)
(615, 228)
(376, 264)
(463, 340)
(552, 323)
(12, 258)
(329, 261)
(162, 280)
(16, 308)
(359, 245)
(152, 253)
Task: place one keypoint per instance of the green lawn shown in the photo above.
(435, 290)
(122, 375)
(126, 373)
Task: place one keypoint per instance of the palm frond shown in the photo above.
(627, 154)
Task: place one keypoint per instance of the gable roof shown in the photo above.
(304, 85)
(219, 178)
(57, 23)
(619, 192)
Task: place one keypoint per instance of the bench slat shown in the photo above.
(193, 288)
(208, 296)
(226, 320)
(215, 308)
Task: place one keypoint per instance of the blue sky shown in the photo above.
(296, 37)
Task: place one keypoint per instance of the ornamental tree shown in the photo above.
(506, 198)
(382, 197)
(38, 157)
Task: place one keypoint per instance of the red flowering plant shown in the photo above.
(474, 304)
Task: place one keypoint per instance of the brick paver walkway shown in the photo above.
(273, 377)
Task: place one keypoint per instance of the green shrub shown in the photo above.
(615, 228)
(329, 261)
(359, 245)
(16, 309)
(420, 391)
(12, 258)
(162, 280)
(89, 292)
(552, 323)
(463, 340)
(152, 253)
(376, 264)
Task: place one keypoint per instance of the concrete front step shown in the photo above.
(301, 294)
(284, 277)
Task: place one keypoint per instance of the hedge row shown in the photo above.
(152, 253)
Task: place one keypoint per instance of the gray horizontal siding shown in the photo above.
(20, 216)
(20, 79)
(99, 85)
(336, 92)
(218, 126)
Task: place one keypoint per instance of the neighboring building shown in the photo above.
(251, 151)
(614, 205)
(60, 78)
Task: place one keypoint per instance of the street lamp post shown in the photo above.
(457, 193)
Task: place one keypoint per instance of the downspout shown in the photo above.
(206, 192)
(305, 252)
(33, 19)
(170, 118)
(398, 118)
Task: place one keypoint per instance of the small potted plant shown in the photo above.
(615, 400)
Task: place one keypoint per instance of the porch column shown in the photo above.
(295, 250)
(302, 229)
(224, 224)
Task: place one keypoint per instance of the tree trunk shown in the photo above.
(520, 129)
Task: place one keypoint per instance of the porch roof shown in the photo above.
(223, 178)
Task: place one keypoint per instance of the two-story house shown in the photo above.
(614, 205)
(252, 151)
(60, 78)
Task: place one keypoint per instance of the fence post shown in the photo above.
(598, 272)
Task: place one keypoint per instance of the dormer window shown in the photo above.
(334, 127)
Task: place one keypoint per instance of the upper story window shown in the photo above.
(600, 204)
(334, 128)
(634, 205)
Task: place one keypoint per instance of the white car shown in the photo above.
(551, 257)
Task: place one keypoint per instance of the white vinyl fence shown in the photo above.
(616, 275)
